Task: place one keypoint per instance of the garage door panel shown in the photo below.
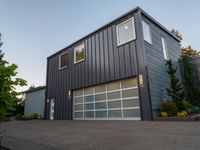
(100, 105)
(101, 114)
(115, 100)
(114, 113)
(131, 103)
(114, 104)
(131, 113)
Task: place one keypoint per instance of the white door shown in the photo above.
(52, 101)
(117, 100)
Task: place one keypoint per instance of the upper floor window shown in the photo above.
(79, 53)
(125, 31)
(165, 52)
(146, 32)
(63, 60)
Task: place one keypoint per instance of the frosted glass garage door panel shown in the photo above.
(131, 113)
(100, 97)
(78, 115)
(101, 114)
(114, 104)
(129, 93)
(114, 113)
(89, 114)
(131, 103)
(132, 82)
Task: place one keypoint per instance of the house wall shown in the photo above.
(155, 62)
(34, 102)
(104, 62)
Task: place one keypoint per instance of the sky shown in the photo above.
(32, 30)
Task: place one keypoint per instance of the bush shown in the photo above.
(170, 108)
(194, 109)
(186, 105)
(164, 114)
(182, 114)
(29, 117)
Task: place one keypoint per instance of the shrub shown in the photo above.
(194, 109)
(182, 114)
(186, 105)
(30, 117)
(164, 114)
(170, 108)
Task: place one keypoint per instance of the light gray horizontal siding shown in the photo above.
(155, 62)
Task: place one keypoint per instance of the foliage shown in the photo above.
(29, 117)
(19, 106)
(164, 114)
(31, 87)
(175, 90)
(186, 105)
(191, 89)
(169, 107)
(194, 109)
(177, 34)
(182, 114)
(189, 51)
(8, 81)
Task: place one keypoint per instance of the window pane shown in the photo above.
(79, 92)
(78, 107)
(89, 106)
(114, 113)
(129, 93)
(101, 105)
(78, 100)
(126, 31)
(114, 104)
(78, 115)
(131, 113)
(131, 103)
(89, 98)
(165, 52)
(89, 90)
(101, 114)
(114, 95)
(113, 86)
(89, 114)
(146, 32)
(63, 60)
(100, 88)
(100, 97)
(129, 83)
(79, 53)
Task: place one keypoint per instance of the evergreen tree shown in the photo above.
(175, 89)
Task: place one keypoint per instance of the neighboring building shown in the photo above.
(117, 72)
(34, 101)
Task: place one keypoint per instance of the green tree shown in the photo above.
(175, 90)
(8, 81)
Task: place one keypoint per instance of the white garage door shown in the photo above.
(115, 101)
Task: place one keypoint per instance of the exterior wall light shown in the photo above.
(141, 79)
(69, 93)
(47, 100)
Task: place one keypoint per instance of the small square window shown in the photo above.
(125, 31)
(63, 61)
(146, 32)
(79, 53)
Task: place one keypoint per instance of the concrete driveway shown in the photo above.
(101, 135)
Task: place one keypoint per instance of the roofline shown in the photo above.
(35, 89)
(107, 24)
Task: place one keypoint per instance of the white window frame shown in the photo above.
(149, 28)
(60, 68)
(117, 27)
(75, 49)
(164, 48)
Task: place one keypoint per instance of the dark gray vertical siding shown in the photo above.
(158, 78)
(104, 62)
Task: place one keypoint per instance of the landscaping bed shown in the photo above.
(194, 117)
